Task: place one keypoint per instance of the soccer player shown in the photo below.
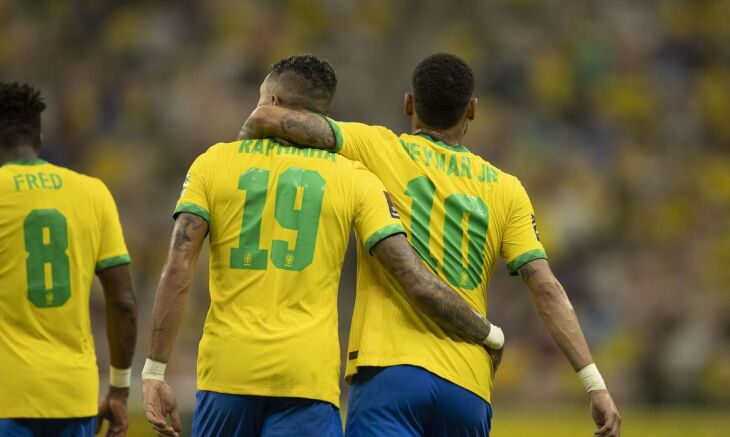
(279, 220)
(57, 229)
(461, 214)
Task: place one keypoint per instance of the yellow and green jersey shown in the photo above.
(57, 228)
(461, 214)
(279, 220)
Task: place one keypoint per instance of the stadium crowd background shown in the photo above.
(615, 115)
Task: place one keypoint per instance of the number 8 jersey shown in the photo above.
(279, 220)
(57, 228)
(461, 214)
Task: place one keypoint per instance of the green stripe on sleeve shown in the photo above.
(112, 262)
(192, 209)
(525, 258)
(338, 134)
(382, 233)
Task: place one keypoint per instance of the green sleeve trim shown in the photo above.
(525, 258)
(383, 233)
(338, 134)
(192, 209)
(113, 262)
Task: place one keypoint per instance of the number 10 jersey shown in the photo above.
(461, 214)
(279, 220)
(57, 228)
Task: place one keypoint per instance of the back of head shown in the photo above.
(304, 82)
(443, 85)
(20, 115)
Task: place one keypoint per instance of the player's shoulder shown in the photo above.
(221, 149)
(81, 180)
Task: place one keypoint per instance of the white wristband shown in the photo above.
(120, 377)
(495, 339)
(153, 370)
(591, 378)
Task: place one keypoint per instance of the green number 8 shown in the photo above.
(47, 264)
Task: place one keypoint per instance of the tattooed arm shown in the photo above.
(429, 293)
(177, 275)
(298, 127)
(159, 400)
(552, 303)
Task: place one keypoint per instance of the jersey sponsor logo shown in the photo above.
(534, 227)
(391, 206)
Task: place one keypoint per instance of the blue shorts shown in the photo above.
(74, 427)
(411, 401)
(220, 414)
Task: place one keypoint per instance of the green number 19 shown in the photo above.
(299, 194)
(47, 265)
(461, 271)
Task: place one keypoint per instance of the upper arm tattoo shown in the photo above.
(308, 129)
(527, 270)
(188, 228)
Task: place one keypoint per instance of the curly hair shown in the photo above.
(442, 85)
(20, 115)
(311, 79)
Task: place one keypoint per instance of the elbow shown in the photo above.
(261, 122)
(125, 308)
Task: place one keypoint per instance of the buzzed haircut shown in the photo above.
(309, 82)
(443, 85)
(20, 115)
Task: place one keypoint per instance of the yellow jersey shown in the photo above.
(461, 214)
(57, 228)
(279, 220)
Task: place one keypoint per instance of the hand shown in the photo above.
(158, 402)
(114, 409)
(496, 356)
(605, 414)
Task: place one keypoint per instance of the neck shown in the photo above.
(19, 153)
(453, 136)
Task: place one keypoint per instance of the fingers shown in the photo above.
(175, 419)
(99, 423)
(611, 427)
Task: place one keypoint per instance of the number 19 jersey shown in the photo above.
(461, 214)
(57, 228)
(279, 220)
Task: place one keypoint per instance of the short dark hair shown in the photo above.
(312, 80)
(20, 115)
(443, 85)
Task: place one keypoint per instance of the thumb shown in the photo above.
(99, 422)
(175, 419)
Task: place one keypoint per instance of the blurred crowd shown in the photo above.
(615, 116)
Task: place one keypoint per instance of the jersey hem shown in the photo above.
(525, 258)
(192, 209)
(24, 414)
(112, 262)
(337, 133)
(270, 392)
(381, 234)
(390, 362)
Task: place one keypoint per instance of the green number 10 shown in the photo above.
(299, 194)
(460, 209)
(47, 265)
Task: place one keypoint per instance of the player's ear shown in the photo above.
(275, 100)
(408, 104)
(471, 110)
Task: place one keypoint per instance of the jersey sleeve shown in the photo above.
(520, 241)
(194, 195)
(361, 142)
(375, 214)
(112, 249)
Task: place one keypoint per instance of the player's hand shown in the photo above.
(496, 357)
(113, 408)
(158, 402)
(605, 414)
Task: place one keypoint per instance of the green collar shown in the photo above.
(442, 144)
(36, 161)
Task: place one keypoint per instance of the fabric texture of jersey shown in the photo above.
(408, 401)
(461, 214)
(57, 228)
(221, 414)
(76, 427)
(280, 220)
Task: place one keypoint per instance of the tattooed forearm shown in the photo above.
(428, 292)
(297, 127)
